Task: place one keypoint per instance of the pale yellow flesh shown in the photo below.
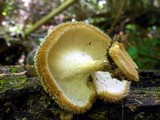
(69, 63)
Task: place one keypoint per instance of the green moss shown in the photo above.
(16, 69)
(13, 70)
(13, 81)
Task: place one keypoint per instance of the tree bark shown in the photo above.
(23, 97)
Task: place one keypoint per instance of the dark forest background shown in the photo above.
(139, 20)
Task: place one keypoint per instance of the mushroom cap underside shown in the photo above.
(63, 62)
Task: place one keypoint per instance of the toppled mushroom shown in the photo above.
(74, 69)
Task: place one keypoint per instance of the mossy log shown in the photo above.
(23, 98)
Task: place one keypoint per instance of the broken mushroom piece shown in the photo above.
(73, 67)
(108, 88)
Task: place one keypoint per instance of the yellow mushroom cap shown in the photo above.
(67, 63)
(123, 61)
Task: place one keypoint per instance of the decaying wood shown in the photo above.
(22, 97)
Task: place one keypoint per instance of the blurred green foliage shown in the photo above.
(145, 46)
(138, 19)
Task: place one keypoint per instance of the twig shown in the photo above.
(45, 19)
(118, 17)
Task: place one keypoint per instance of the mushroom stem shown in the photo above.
(95, 65)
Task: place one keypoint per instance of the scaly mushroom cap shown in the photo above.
(67, 63)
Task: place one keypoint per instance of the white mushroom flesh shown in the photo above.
(109, 88)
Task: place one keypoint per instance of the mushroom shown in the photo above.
(75, 65)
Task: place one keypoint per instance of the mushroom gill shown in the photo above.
(71, 62)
